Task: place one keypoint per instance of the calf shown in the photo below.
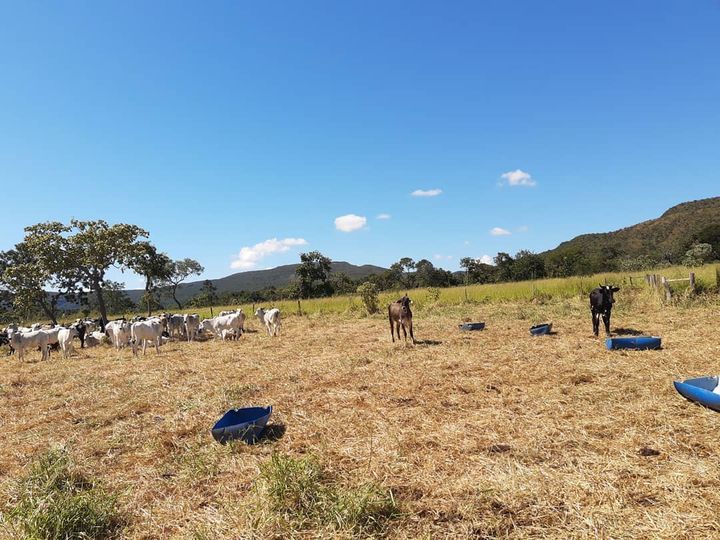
(81, 331)
(192, 324)
(226, 322)
(601, 302)
(96, 338)
(29, 340)
(65, 338)
(271, 320)
(118, 332)
(150, 330)
(400, 314)
(52, 334)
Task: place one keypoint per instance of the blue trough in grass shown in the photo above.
(540, 329)
(703, 390)
(245, 424)
(638, 343)
(469, 326)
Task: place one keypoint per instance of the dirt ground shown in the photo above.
(478, 435)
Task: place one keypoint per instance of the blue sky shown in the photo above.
(219, 126)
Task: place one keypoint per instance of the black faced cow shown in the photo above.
(399, 314)
(601, 302)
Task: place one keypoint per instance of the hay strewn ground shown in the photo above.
(479, 435)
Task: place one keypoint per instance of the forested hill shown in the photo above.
(256, 280)
(665, 239)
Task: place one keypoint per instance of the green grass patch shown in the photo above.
(300, 495)
(55, 501)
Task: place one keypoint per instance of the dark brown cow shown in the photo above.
(400, 314)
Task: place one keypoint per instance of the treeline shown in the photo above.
(72, 260)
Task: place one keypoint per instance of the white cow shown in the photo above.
(174, 324)
(239, 313)
(150, 330)
(118, 332)
(192, 325)
(52, 334)
(96, 338)
(29, 340)
(217, 324)
(271, 320)
(65, 337)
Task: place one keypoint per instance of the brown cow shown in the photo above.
(400, 314)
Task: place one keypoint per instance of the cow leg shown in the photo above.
(596, 323)
(157, 344)
(404, 331)
(606, 320)
(144, 346)
(412, 336)
(392, 333)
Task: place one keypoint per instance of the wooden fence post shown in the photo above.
(692, 281)
(717, 277)
(666, 286)
(299, 308)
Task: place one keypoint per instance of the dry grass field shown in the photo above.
(488, 434)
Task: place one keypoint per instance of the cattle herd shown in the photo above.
(157, 330)
(134, 333)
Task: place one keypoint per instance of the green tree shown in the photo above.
(369, 295)
(312, 274)
(180, 271)
(698, 255)
(207, 297)
(154, 266)
(407, 265)
(41, 271)
(504, 263)
(96, 246)
(116, 300)
(710, 235)
(528, 265)
(341, 283)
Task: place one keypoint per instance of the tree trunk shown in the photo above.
(48, 311)
(148, 297)
(175, 297)
(101, 304)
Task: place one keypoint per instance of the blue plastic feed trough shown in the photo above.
(639, 343)
(703, 390)
(246, 424)
(469, 326)
(540, 329)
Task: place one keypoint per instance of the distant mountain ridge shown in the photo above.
(663, 239)
(255, 280)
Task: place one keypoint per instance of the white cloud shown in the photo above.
(523, 228)
(426, 192)
(350, 223)
(518, 178)
(250, 256)
(383, 216)
(499, 231)
(486, 259)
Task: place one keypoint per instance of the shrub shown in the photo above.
(54, 501)
(433, 294)
(369, 295)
